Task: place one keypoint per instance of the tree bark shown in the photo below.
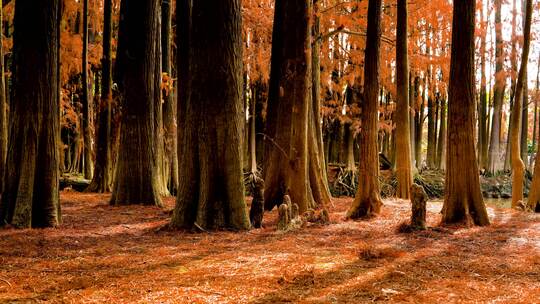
(211, 188)
(86, 101)
(498, 95)
(403, 143)
(441, 145)
(30, 197)
(483, 107)
(102, 179)
(518, 167)
(463, 199)
(137, 177)
(3, 108)
(367, 201)
(290, 166)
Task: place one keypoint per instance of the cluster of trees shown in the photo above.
(111, 89)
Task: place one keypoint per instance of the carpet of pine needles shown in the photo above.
(119, 255)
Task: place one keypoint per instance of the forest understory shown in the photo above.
(111, 254)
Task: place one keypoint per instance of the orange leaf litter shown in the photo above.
(119, 255)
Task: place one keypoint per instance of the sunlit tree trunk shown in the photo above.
(210, 189)
(534, 194)
(367, 201)
(137, 177)
(30, 197)
(403, 143)
(463, 199)
(102, 179)
(498, 95)
(86, 101)
(293, 165)
(518, 167)
(441, 145)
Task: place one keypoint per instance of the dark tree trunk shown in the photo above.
(3, 108)
(498, 95)
(137, 177)
(30, 197)
(102, 179)
(418, 123)
(403, 143)
(463, 199)
(210, 188)
(367, 201)
(169, 100)
(525, 104)
(86, 101)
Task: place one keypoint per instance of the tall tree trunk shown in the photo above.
(367, 201)
(3, 108)
(518, 167)
(525, 105)
(483, 107)
(317, 162)
(211, 188)
(102, 179)
(30, 197)
(498, 95)
(418, 122)
(137, 177)
(290, 166)
(535, 124)
(463, 199)
(412, 114)
(534, 194)
(403, 143)
(86, 101)
(169, 100)
(441, 145)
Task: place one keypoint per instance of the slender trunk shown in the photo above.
(418, 122)
(102, 179)
(210, 188)
(3, 109)
(169, 100)
(137, 178)
(31, 197)
(441, 145)
(367, 201)
(483, 107)
(463, 199)
(86, 101)
(525, 105)
(518, 167)
(498, 95)
(403, 143)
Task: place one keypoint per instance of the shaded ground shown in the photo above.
(114, 254)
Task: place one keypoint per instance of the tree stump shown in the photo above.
(257, 205)
(418, 202)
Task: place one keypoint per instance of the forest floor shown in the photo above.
(119, 255)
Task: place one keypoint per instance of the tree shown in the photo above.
(483, 102)
(293, 165)
(137, 176)
(463, 199)
(86, 104)
(102, 178)
(403, 143)
(210, 187)
(518, 167)
(368, 201)
(3, 107)
(498, 94)
(169, 100)
(30, 197)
